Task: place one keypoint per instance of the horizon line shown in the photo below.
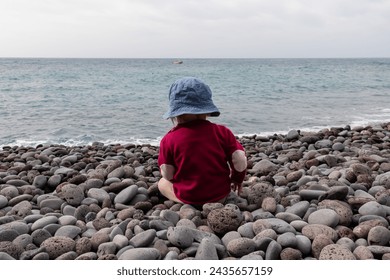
(193, 58)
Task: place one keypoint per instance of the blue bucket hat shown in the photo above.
(190, 95)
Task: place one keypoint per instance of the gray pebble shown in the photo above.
(347, 242)
(40, 181)
(372, 208)
(70, 231)
(54, 203)
(298, 225)
(18, 226)
(273, 251)
(40, 235)
(186, 223)
(171, 255)
(287, 239)
(229, 236)
(8, 235)
(44, 221)
(288, 217)
(312, 230)
(126, 195)
(206, 251)
(67, 220)
(143, 239)
(120, 241)
(99, 194)
(255, 256)
(363, 253)
(170, 216)
(326, 217)
(23, 240)
(303, 244)
(106, 248)
(43, 256)
(278, 225)
(57, 245)
(72, 194)
(311, 194)
(30, 254)
(160, 224)
(246, 230)
(336, 252)
(319, 242)
(71, 255)
(54, 181)
(266, 233)
(378, 235)
(290, 254)
(298, 208)
(140, 254)
(241, 246)
(5, 256)
(181, 237)
(380, 250)
(3, 201)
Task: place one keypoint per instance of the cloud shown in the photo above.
(203, 28)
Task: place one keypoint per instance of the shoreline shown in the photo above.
(307, 195)
(78, 141)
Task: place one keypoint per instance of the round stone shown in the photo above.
(343, 209)
(372, 208)
(363, 253)
(73, 194)
(223, 220)
(287, 239)
(378, 235)
(44, 221)
(326, 217)
(12, 249)
(206, 250)
(299, 208)
(143, 239)
(290, 254)
(269, 204)
(70, 231)
(241, 246)
(336, 252)
(312, 230)
(126, 195)
(58, 245)
(140, 254)
(181, 237)
(319, 242)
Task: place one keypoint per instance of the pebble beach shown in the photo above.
(321, 195)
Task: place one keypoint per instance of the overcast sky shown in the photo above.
(195, 28)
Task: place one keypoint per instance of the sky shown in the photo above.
(195, 28)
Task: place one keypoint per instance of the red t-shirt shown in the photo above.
(201, 153)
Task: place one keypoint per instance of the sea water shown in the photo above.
(80, 101)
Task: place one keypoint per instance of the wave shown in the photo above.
(81, 142)
(86, 140)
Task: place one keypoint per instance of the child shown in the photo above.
(199, 161)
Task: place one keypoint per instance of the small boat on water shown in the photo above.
(178, 62)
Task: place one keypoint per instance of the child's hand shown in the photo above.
(236, 187)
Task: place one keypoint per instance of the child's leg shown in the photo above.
(166, 189)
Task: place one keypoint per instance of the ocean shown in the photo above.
(81, 101)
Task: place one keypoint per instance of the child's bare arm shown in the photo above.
(238, 169)
(167, 171)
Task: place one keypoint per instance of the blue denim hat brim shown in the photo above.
(183, 109)
(190, 95)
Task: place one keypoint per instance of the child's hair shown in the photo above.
(188, 117)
